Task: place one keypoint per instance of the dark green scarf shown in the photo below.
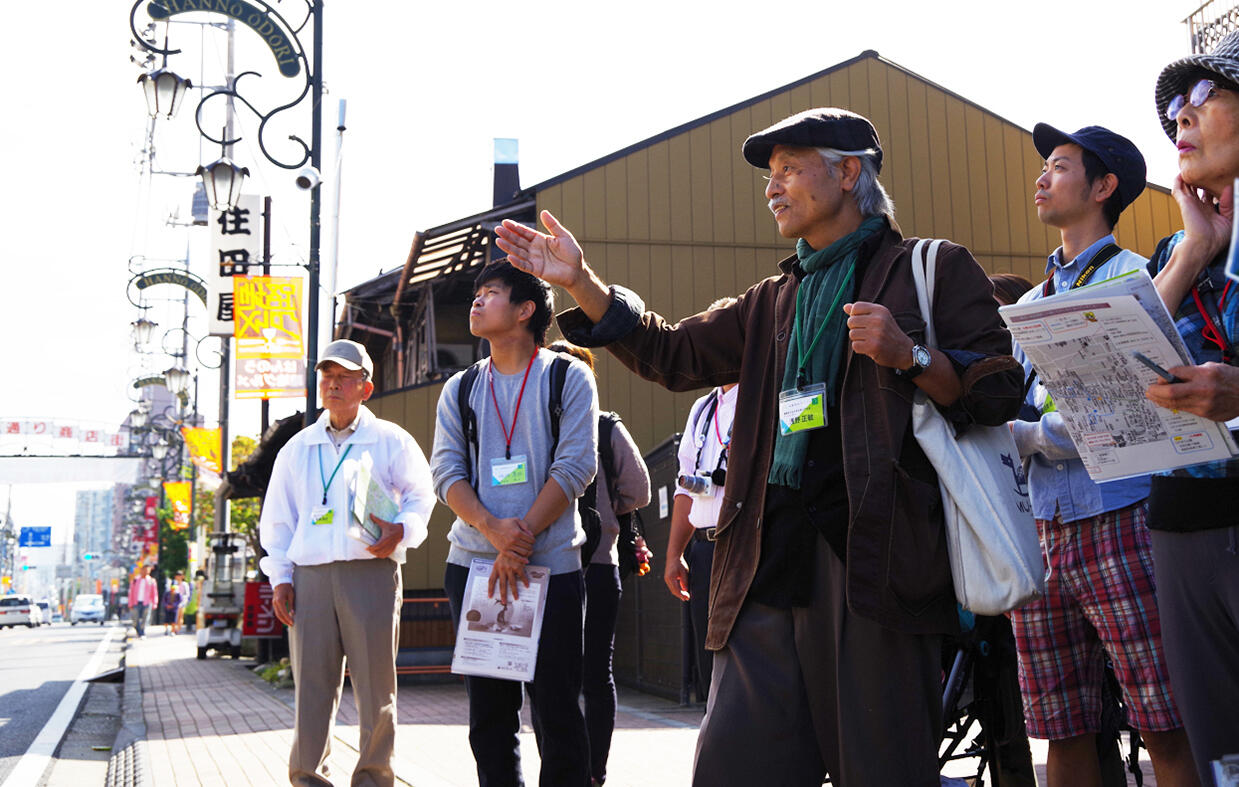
(821, 329)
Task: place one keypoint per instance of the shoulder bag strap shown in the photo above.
(468, 420)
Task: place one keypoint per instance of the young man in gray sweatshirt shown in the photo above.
(531, 522)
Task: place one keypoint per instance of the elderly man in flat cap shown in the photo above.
(337, 584)
(831, 589)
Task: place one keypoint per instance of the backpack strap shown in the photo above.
(606, 426)
(469, 420)
(555, 402)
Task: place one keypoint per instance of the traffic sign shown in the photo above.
(35, 537)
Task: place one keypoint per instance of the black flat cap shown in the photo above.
(824, 127)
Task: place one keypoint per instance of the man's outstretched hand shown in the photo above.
(555, 258)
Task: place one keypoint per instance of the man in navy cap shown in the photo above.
(831, 587)
(1099, 596)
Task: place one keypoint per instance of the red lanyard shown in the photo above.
(507, 436)
(718, 432)
(1213, 329)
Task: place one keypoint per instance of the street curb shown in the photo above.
(129, 764)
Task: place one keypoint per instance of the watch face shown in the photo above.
(921, 356)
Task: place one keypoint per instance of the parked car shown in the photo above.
(87, 608)
(46, 609)
(19, 610)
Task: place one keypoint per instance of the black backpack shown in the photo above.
(587, 503)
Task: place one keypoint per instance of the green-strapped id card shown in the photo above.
(509, 472)
(322, 515)
(802, 409)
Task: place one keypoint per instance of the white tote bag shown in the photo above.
(995, 553)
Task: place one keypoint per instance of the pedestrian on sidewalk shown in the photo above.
(336, 581)
(184, 590)
(143, 597)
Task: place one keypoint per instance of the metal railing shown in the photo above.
(1210, 23)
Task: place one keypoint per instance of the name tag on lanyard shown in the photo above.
(802, 409)
(509, 472)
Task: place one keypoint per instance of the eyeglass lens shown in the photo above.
(1197, 96)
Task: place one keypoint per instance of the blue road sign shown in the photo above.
(35, 537)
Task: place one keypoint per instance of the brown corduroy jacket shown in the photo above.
(898, 572)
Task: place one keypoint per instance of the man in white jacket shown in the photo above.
(343, 583)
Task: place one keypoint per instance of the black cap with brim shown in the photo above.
(1118, 153)
(824, 127)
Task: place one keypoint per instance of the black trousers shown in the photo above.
(700, 561)
(494, 705)
(602, 596)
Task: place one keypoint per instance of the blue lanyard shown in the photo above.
(327, 481)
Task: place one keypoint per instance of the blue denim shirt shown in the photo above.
(1057, 480)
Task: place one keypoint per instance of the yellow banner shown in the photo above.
(178, 493)
(270, 349)
(204, 447)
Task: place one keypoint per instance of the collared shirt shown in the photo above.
(305, 465)
(1057, 480)
(338, 436)
(701, 438)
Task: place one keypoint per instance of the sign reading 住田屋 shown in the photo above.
(35, 537)
(270, 350)
(236, 247)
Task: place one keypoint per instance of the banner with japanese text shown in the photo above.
(204, 447)
(270, 351)
(236, 249)
(178, 494)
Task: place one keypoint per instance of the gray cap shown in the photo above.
(349, 354)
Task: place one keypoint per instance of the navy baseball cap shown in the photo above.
(824, 127)
(1116, 152)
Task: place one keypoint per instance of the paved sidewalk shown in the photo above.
(214, 722)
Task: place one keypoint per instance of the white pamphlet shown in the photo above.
(498, 638)
(1080, 343)
(369, 497)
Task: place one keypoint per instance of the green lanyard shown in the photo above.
(804, 355)
(327, 481)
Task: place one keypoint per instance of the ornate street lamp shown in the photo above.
(176, 379)
(159, 451)
(164, 90)
(222, 180)
(142, 330)
(138, 418)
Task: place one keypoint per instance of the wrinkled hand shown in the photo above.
(555, 258)
(874, 332)
(511, 535)
(282, 599)
(505, 576)
(1206, 228)
(676, 577)
(393, 534)
(1210, 391)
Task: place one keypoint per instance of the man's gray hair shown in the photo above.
(871, 198)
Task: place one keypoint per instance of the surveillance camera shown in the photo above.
(308, 178)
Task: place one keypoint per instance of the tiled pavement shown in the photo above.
(214, 722)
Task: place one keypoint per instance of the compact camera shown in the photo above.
(699, 485)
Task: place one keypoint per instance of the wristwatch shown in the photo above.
(920, 362)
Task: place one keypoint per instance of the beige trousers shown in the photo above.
(346, 608)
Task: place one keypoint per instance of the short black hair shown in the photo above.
(522, 287)
(1094, 169)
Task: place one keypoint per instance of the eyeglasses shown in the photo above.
(1201, 92)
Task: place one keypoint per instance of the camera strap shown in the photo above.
(704, 421)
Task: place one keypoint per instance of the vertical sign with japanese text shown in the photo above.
(179, 495)
(270, 350)
(236, 247)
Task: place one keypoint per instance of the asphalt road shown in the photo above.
(37, 667)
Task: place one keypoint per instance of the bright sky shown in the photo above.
(429, 85)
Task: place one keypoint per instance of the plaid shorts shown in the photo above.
(1099, 599)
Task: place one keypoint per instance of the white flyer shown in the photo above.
(498, 638)
(1080, 343)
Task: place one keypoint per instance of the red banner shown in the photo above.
(259, 620)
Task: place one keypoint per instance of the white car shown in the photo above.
(87, 607)
(47, 608)
(19, 610)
